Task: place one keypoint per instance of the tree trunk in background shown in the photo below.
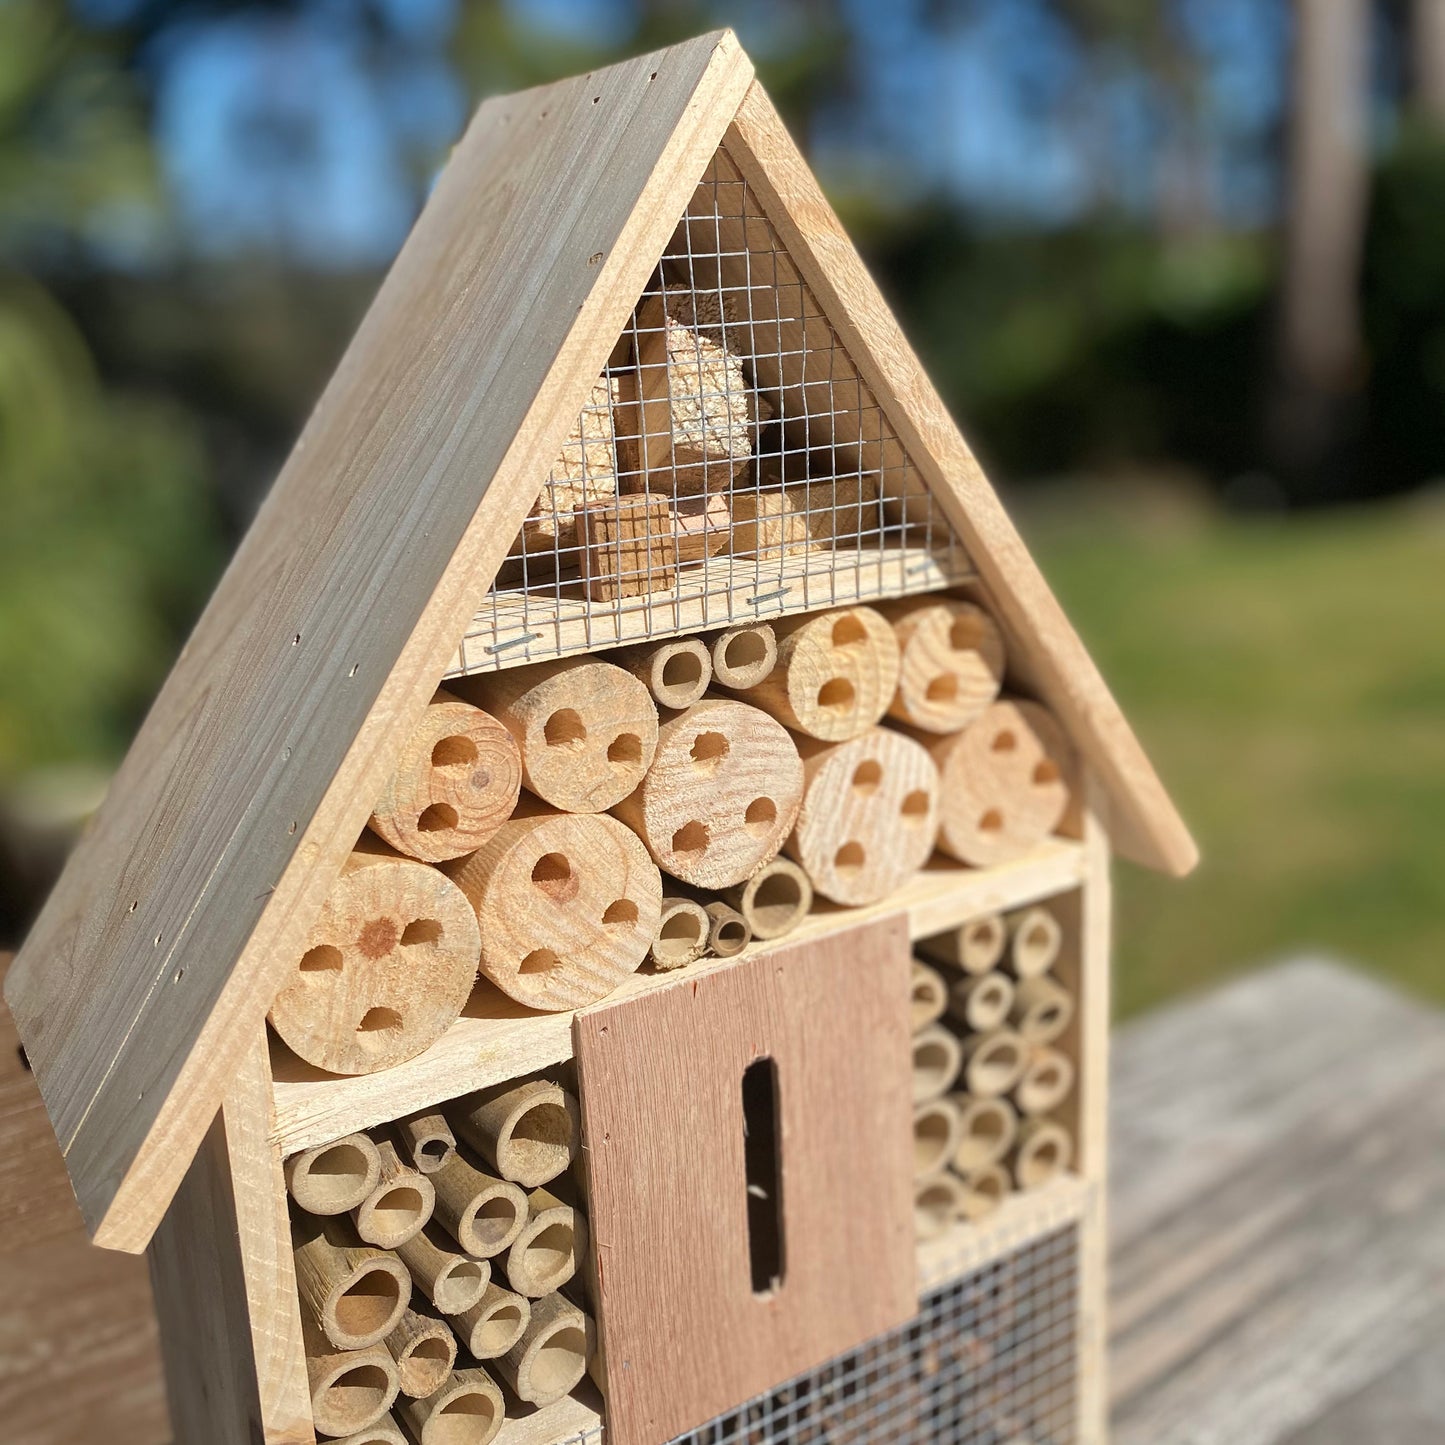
(1319, 359)
(1427, 57)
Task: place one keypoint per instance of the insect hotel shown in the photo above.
(604, 933)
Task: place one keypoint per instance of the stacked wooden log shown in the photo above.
(992, 1066)
(440, 1267)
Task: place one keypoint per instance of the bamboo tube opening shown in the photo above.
(1037, 937)
(775, 900)
(460, 1285)
(1042, 1009)
(982, 1003)
(928, 996)
(994, 1063)
(559, 1362)
(551, 1357)
(730, 936)
(368, 1307)
(467, 1410)
(391, 1216)
(495, 1323)
(983, 1192)
(1047, 1082)
(937, 1058)
(987, 1130)
(425, 1351)
(743, 656)
(1045, 1149)
(490, 1224)
(336, 1177)
(936, 1203)
(547, 1261)
(681, 933)
(529, 1132)
(351, 1395)
(451, 1280)
(426, 1139)
(935, 1137)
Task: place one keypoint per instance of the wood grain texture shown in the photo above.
(266, 750)
(224, 1287)
(1147, 827)
(497, 1039)
(668, 1187)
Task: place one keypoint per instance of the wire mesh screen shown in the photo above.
(729, 464)
(991, 1359)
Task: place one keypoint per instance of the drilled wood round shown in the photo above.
(424, 1350)
(981, 1003)
(1042, 1009)
(467, 1410)
(587, 729)
(456, 782)
(495, 1323)
(721, 795)
(550, 1358)
(351, 1390)
(775, 900)
(551, 1246)
(935, 1136)
(400, 1205)
(936, 1204)
(987, 1129)
(1035, 940)
(951, 662)
(728, 932)
(449, 1277)
(529, 1132)
(676, 672)
(743, 656)
(1005, 785)
(682, 933)
(928, 996)
(387, 967)
(835, 675)
(334, 1178)
(993, 1063)
(1047, 1082)
(983, 1191)
(937, 1058)
(482, 1213)
(567, 907)
(358, 1293)
(1045, 1149)
(869, 815)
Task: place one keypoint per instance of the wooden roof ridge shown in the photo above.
(176, 918)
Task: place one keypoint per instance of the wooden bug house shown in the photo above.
(604, 934)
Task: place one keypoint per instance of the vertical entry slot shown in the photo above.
(763, 1166)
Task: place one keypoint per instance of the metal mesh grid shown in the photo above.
(730, 464)
(991, 1359)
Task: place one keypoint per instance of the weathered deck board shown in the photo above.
(1278, 1200)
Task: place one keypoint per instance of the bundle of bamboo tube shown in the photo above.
(439, 1265)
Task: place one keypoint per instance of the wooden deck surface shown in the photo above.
(1278, 1217)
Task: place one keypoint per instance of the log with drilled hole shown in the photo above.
(587, 729)
(334, 1178)
(951, 662)
(357, 1293)
(400, 1205)
(424, 1350)
(775, 900)
(529, 1132)
(976, 947)
(456, 782)
(869, 815)
(743, 656)
(721, 794)
(676, 672)
(1005, 785)
(682, 933)
(467, 1410)
(697, 412)
(443, 1271)
(388, 965)
(567, 905)
(482, 1213)
(835, 675)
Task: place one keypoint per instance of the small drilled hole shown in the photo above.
(849, 858)
(943, 689)
(867, 776)
(437, 818)
(625, 748)
(1004, 742)
(624, 910)
(991, 822)
(321, 959)
(708, 750)
(453, 753)
(691, 838)
(565, 729)
(379, 1021)
(836, 695)
(762, 813)
(915, 807)
(540, 960)
(423, 930)
(552, 874)
(849, 631)
(1045, 773)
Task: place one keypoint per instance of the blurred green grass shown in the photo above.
(1288, 679)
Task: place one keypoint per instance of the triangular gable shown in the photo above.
(188, 900)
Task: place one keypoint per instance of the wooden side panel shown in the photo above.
(158, 950)
(1149, 829)
(224, 1288)
(684, 1334)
